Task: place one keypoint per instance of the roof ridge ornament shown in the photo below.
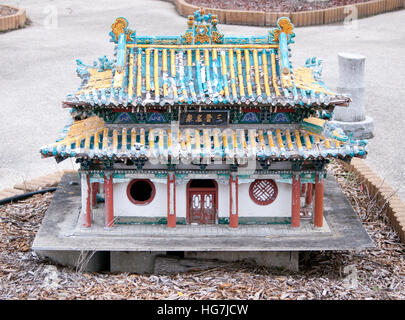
(202, 29)
(119, 26)
(284, 25)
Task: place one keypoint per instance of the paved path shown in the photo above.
(37, 70)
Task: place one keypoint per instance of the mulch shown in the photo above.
(6, 11)
(273, 5)
(339, 275)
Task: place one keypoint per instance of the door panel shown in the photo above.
(202, 206)
(195, 207)
(209, 207)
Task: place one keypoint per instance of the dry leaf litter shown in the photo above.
(367, 274)
(274, 5)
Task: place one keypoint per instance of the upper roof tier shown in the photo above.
(201, 67)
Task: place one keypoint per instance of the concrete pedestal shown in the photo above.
(353, 119)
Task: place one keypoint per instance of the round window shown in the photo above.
(141, 191)
(263, 191)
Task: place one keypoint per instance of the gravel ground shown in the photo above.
(273, 5)
(369, 274)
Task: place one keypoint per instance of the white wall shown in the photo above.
(123, 207)
(181, 200)
(281, 207)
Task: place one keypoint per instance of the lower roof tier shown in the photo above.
(91, 138)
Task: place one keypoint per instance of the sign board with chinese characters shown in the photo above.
(213, 118)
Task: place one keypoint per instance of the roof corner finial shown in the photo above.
(119, 26)
(284, 25)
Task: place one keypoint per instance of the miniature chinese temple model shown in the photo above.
(202, 129)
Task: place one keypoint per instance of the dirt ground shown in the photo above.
(273, 5)
(368, 274)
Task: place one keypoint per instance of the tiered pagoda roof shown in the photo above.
(202, 69)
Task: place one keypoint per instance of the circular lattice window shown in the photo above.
(263, 191)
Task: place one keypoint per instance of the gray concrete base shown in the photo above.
(136, 262)
(281, 259)
(360, 129)
(145, 261)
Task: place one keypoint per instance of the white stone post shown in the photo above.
(353, 119)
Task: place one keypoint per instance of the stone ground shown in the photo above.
(37, 70)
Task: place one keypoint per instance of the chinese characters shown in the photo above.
(204, 118)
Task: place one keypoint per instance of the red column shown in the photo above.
(318, 210)
(87, 217)
(303, 188)
(233, 193)
(94, 191)
(108, 199)
(171, 205)
(295, 203)
(309, 194)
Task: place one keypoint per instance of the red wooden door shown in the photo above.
(202, 206)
